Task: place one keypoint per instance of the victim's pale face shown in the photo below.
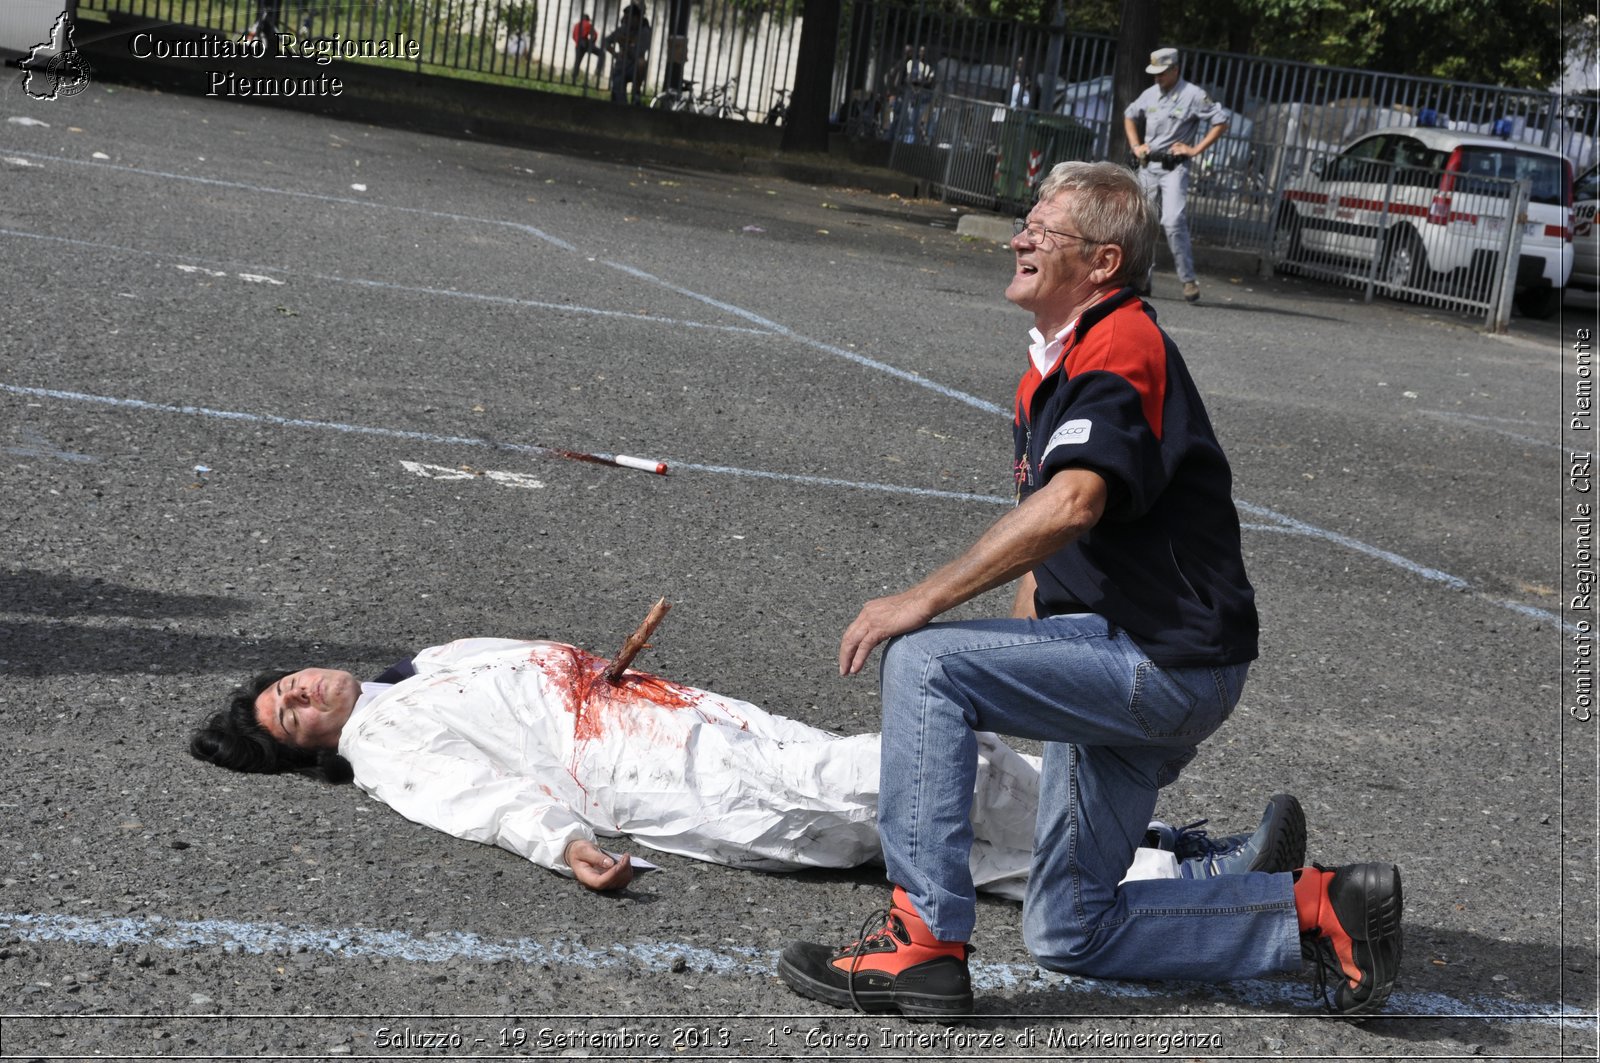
(308, 708)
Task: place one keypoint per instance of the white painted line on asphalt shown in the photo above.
(248, 278)
(363, 943)
(781, 330)
(827, 348)
(217, 182)
(828, 481)
(1298, 527)
(535, 304)
(40, 447)
(471, 441)
(765, 323)
(1525, 422)
(1487, 424)
(1432, 574)
(503, 300)
(1284, 523)
(498, 476)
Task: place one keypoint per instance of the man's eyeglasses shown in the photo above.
(1039, 236)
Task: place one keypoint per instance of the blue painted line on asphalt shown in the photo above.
(828, 481)
(1531, 611)
(364, 943)
(780, 330)
(1433, 574)
(1488, 424)
(286, 422)
(535, 304)
(1300, 527)
(1292, 526)
(37, 446)
(474, 441)
(321, 197)
(257, 938)
(407, 289)
(827, 348)
(1286, 524)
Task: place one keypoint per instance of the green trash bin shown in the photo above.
(1030, 143)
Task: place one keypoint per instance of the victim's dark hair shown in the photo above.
(233, 739)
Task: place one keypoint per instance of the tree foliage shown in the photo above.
(1518, 43)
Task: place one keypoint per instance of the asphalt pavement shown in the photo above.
(279, 390)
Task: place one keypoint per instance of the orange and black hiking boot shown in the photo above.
(899, 967)
(1354, 935)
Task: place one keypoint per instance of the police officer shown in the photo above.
(1175, 111)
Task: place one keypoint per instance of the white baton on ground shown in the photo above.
(643, 464)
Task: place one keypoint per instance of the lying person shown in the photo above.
(527, 745)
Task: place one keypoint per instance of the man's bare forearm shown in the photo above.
(1067, 506)
(1064, 509)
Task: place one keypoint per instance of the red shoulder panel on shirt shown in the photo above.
(1130, 345)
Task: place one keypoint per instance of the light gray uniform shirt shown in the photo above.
(1181, 116)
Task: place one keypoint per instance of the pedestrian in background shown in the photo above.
(629, 45)
(585, 41)
(920, 79)
(1021, 97)
(1175, 112)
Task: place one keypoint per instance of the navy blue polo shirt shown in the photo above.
(1165, 562)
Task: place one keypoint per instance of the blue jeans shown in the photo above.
(623, 71)
(1117, 728)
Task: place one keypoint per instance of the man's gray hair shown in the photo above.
(1109, 207)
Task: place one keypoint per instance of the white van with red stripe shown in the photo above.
(1429, 206)
(1585, 237)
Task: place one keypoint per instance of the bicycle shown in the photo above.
(265, 28)
(679, 99)
(779, 112)
(719, 102)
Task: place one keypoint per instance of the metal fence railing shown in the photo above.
(747, 53)
(984, 152)
(1281, 109)
(1453, 240)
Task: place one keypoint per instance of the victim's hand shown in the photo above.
(879, 619)
(596, 869)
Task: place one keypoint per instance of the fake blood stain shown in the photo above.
(596, 703)
(601, 708)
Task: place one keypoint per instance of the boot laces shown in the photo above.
(866, 937)
(1326, 963)
(1192, 841)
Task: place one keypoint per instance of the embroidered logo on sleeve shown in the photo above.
(1071, 433)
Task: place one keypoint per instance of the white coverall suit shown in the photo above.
(526, 746)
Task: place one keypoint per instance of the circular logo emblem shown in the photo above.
(69, 72)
